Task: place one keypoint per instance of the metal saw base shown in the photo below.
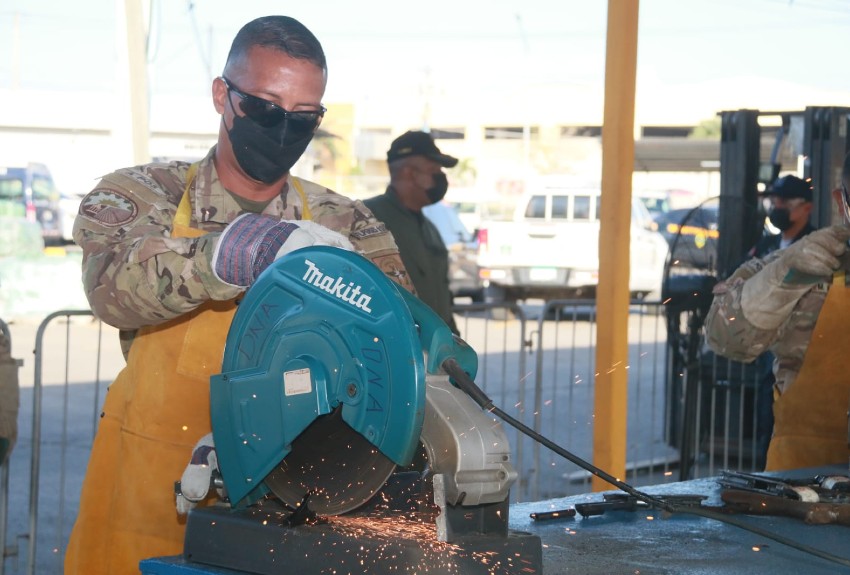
(257, 541)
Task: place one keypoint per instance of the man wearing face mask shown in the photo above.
(168, 248)
(791, 204)
(417, 180)
(796, 303)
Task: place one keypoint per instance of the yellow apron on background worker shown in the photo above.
(810, 417)
(154, 413)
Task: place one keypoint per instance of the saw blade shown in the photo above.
(340, 468)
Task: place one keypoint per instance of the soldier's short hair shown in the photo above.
(281, 33)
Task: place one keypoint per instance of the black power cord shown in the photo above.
(466, 384)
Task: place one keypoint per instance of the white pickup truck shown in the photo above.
(550, 250)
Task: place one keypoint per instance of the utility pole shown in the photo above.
(16, 52)
(612, 297)
(526, 127)
(132, 77)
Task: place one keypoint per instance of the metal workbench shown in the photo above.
(646, 542)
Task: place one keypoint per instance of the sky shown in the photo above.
(391, 47)
(508, 62)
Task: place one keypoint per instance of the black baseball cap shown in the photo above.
(789, 188)
(416, 143)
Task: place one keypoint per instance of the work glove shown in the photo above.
(195, 483)
(769, 296)
(252, 242)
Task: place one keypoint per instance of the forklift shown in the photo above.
(713, 409)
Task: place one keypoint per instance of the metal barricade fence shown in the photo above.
(565, 383)
(541, 370)
(504, 349)
(4, 484)
(74, 358)
(537, 365)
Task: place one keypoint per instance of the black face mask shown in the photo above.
(264, 153)
(780, 218)
(438, 190)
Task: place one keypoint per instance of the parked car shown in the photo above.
(656, 202)
(550, 250)
(692, 235)
(29, 191)
(463, 251)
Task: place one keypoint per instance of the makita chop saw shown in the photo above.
(332, 382)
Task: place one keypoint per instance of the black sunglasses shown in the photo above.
(268, 114)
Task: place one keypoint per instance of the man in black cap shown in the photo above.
(417, 180)
(791, 205)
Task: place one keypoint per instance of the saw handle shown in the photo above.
(461, 379)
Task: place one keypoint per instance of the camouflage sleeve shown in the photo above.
(374, 240)
(727, 330)
(369, 236)
(134, 272)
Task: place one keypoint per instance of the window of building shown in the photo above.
(581, 131)
(666, 131)
(509, 132)
(448, 133)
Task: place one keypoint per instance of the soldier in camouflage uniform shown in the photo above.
(167, 250)
(795, 302)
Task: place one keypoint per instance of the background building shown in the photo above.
(512, 89)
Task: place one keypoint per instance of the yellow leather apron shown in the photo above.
(154, 413)
(810, 417)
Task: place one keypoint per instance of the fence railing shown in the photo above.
(536, 363)
(4, 483)
(62, 387)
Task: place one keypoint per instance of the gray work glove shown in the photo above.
(769, 296)
(251, 242)
(198, 475)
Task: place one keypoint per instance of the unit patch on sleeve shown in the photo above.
(109, 207)
(374, 230)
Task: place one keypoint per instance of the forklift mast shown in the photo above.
(737, 217)
(823, 147)
(825, 144)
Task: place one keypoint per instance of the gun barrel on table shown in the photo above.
(815, 513)
(816, 489)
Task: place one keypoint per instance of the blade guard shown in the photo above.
(320, 328)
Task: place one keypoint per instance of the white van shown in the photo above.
(551, 248)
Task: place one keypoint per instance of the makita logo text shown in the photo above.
(347, 292)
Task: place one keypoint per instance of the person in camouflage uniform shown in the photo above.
(795, 302)
(168, 249)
